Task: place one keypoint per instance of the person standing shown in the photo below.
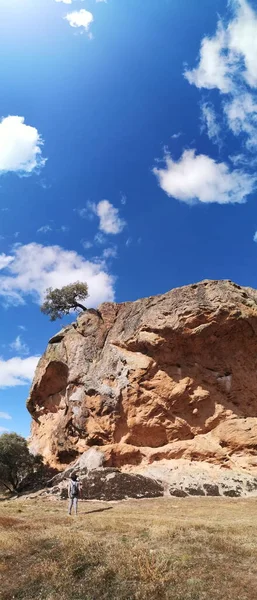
(73, 494)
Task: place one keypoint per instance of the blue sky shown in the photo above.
(128, 140)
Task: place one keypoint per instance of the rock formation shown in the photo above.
(166, 377)
(180, 478)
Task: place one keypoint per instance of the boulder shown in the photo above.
(111, 484)
(88, 461)
(167, 377)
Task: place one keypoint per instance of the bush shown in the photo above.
(17, 464)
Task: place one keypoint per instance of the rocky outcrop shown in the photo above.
(183, 478)
(110, 484)
(179, 478)
(162, 378)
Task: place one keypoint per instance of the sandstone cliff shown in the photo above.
(167, 377)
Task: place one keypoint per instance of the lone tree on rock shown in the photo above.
(60, 302)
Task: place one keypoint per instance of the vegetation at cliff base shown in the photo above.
(17, 464)
(162, 549)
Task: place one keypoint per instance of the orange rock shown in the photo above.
(171, 376)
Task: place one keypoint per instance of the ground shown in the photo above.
(163, 549)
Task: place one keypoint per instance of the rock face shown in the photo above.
(180, 478)
(166, 377)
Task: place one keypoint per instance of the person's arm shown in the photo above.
(69, 489)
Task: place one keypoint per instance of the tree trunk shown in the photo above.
(78, 305)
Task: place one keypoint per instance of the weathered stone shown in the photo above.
(110, 484)
(211, 489)
(234, 493)
(178, 493)
(90, 460)
(251, 485)
(195, 491)
(166, 377)
(181, 474)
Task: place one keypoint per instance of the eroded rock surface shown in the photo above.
(180, 478)
(167, 377)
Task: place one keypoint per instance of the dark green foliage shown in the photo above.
(60, 302)
(16, 462)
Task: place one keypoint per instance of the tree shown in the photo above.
(61, 301)
(16, 462)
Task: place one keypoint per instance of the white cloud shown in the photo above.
(3, 430)
(86, 244)
(242, 40)
(230, 53)
(214, 65)
(5, 261)
(255, 237)
(100, 238)
(175, 136)
(80, 18)
(17, 371)
(19, 346)
(48, 228)
(20, 146)
(209, 122)
(227, 62)
(199, 177)
(87, 212)
(4, 415)
(64, 1)
(110, 253)
(241, 114)
(244, 160)
(36, 267)
(110, 222)
(44, 229)
(82, 212)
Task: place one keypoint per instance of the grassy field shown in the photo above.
(176, 549)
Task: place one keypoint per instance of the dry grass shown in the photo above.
(182, 549)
